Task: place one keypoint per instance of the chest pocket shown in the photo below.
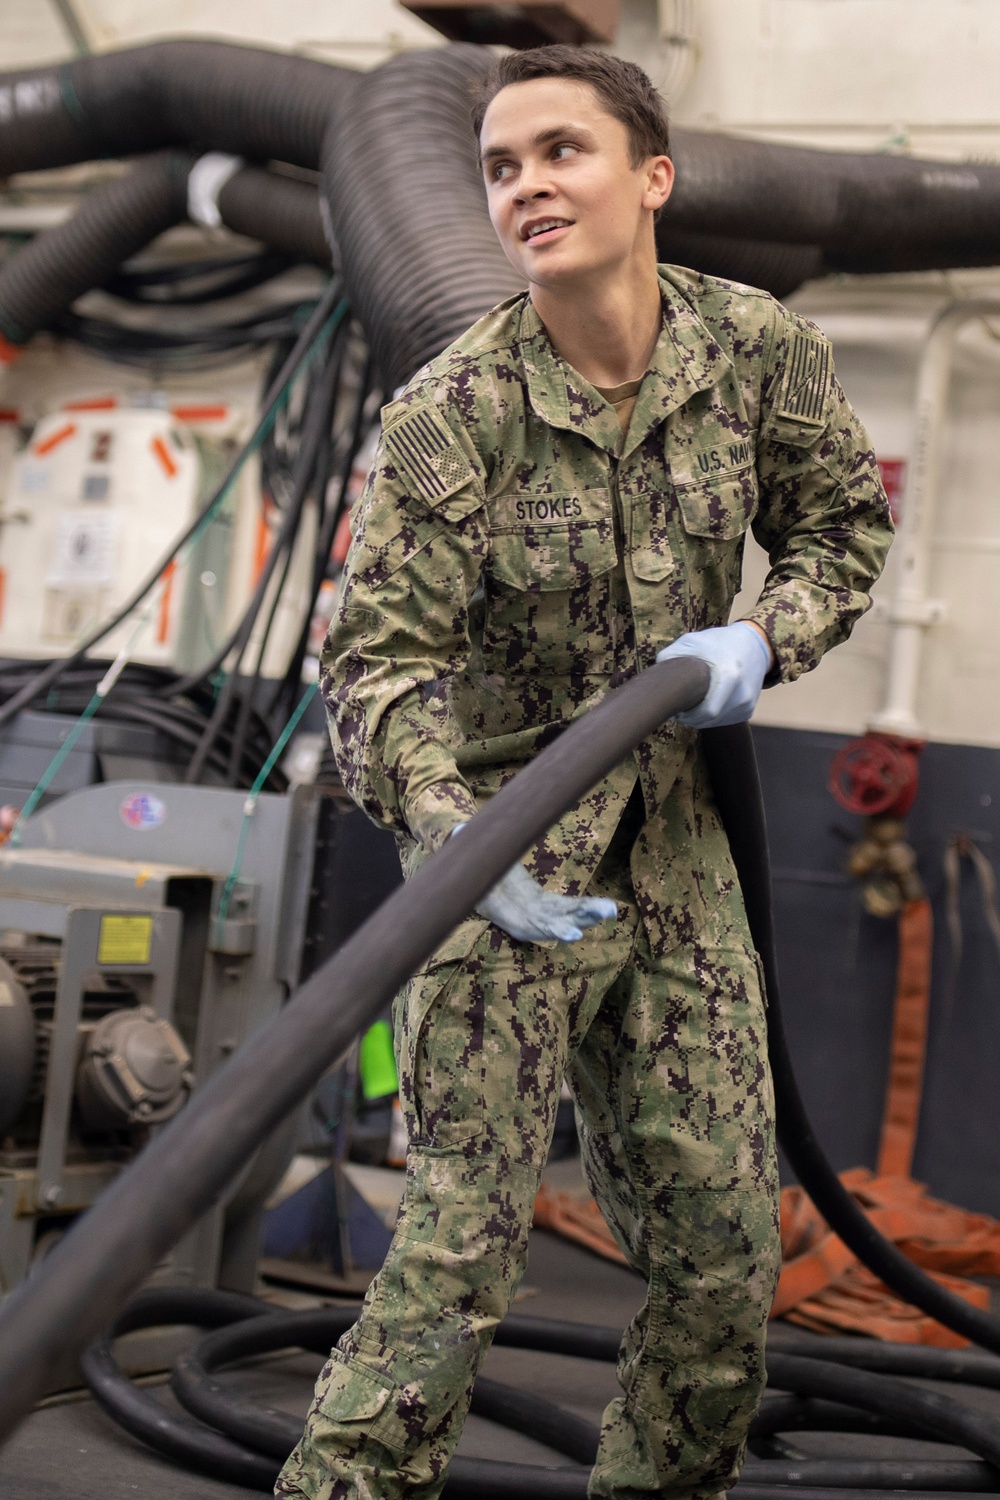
(551, 542)
(720, 508)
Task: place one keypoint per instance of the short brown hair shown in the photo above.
(623, 88)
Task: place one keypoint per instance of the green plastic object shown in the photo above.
(376, 1062)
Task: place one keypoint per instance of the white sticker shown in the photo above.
(142, 811)
(85, 548)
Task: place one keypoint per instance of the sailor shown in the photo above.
(559, 500)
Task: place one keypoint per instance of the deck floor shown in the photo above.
(69, 1450)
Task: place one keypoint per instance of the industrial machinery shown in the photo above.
(136, 954)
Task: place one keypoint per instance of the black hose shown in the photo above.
(254, 1434)
(735, 782)
(276, 1432)
(80, 1286)
(137, 1410)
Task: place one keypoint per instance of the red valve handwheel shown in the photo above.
(876, 775)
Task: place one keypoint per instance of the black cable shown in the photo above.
(134, 700)
(312, 330)
(186, 348)
(316, 415)
(193, 282)
(289, 686)
(327, 390)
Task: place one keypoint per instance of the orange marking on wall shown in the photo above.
(263, 544)
(167, 461)
(199, 413)
(97, 403)
(163, 622)
(55, 438)
(8, 351)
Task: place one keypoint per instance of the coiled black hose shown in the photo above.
(246, 1443)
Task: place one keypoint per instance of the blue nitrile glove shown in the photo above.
(739, 659)
(526, 911)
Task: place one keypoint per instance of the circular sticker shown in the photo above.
(141, 811)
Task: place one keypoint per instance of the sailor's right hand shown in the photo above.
(531, 914)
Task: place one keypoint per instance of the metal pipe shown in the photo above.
(912, 610)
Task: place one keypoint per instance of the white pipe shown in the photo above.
(912, 611)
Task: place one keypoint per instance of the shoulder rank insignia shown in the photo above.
(424, 448)
(806, 383)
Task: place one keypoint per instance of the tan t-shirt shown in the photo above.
(622, 398)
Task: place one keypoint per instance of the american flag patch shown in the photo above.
(807, 379)
(423, 446)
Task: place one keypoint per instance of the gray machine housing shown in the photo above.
(124, 1019)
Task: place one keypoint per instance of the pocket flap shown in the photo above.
(354, 1393)
(721, 508)
(551, 542)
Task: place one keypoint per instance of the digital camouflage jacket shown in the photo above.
(514, 558)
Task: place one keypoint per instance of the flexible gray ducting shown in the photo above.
(111, 225)
(406, 197)
(252, 102)
(281, 211)
(408, 207)
(120, 218)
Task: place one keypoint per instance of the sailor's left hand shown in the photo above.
(739, 658)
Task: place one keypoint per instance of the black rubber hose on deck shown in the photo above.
(79, 1288)
(257, 1439)
(137, 1411)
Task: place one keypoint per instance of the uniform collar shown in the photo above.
(687, 359)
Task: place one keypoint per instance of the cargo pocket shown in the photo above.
(353, 1399)
(440, 1026)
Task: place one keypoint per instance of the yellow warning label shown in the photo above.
(125, 940)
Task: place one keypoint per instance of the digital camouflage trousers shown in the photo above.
(667, 1061)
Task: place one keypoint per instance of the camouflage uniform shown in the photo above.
(516, 558)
